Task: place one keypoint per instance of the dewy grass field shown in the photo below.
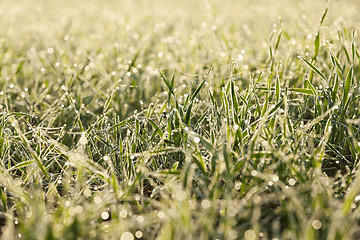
(179, 119)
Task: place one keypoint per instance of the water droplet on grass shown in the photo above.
(180, 196)
(105, 215)
(123, 214)
(78, 209)
(250, 235)
(127, 236)
(87, 192)
(97, 199)
(83, 140)
(50, 50)
(138, 234)
(205, 204)
(237, 186)
(140, 219)
(316, 224)
(292, 182)
(161, 214)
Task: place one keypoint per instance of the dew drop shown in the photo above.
(316, 224)
(292, 182)
(237, 186)
(205, 204)
(87, 192)
(105, 215)
(140, 219)
(83, 140)
(250, 235)
(181, 196)
(138, 234)
(97, 199)
(127, 236)
(161, 214)
(123, 214)
(78, 209)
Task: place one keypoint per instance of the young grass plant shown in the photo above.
(119, 123)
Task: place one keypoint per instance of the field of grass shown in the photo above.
(179, 119)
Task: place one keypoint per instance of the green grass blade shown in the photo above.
(313, 68)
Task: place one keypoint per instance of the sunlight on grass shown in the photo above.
(179, 119)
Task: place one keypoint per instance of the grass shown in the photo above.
(179, 120)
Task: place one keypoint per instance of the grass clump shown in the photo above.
(118, 121)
